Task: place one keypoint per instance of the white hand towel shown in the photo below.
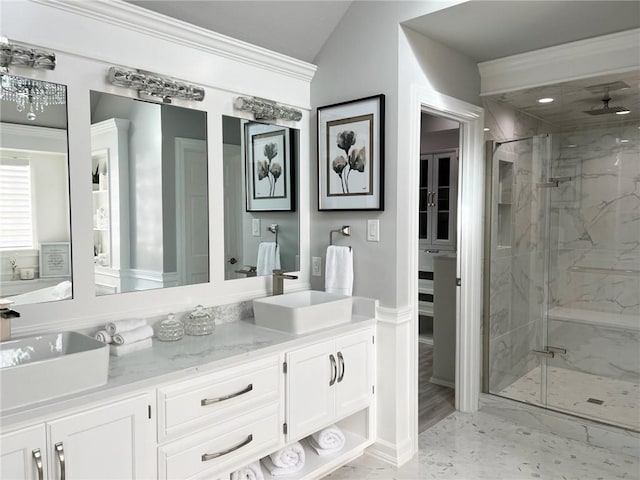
(119, 350)
(280, 471)
(330, 437)
(62, 290)
(132, 336)
(323, 452)
(338, 277)
(104, 337)
(289, 457)
(124, 325)
(248, 472)
(268, 258)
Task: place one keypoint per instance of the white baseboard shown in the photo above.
(396, 455)
(444, 383)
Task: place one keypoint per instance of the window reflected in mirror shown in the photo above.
(261, 227)
(35, 238)
(149, 195)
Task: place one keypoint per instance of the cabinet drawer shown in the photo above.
(228, 445)
(217, 396)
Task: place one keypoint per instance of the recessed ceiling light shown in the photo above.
(545, 100)
(487, 129)
(623, 112)
(624, 140)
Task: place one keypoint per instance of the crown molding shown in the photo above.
(141, 20)
(617, 52)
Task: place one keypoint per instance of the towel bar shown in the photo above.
(344, 230)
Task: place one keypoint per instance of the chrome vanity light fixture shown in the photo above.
(24, 56)
(264, 109)
(154, 87)
(28, 93)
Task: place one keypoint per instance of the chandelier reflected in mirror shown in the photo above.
(31, 95)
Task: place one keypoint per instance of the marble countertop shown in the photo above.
(165, 362)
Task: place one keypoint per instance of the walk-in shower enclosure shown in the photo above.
(562, 313)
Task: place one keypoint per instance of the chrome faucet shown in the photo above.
(278, 281)
(6, 314)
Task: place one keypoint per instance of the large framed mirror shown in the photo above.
(35, 233)
(149, 194)
(261, 222)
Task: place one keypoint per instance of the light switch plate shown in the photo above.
(255, 227)
(316, 266)
(373, 230)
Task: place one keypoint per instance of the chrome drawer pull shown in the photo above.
(37, 459)
(208, 401)
(210, 456)
(60, 453)
(334, 369)
(341, 363)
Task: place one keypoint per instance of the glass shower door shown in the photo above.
(594, 275)
(516, 263)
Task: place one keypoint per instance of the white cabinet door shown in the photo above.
(115, 441)
(355, 372)
(22, 454)
(328, 381)
(310, 404)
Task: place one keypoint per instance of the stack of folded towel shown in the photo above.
(248, 472)
(126, 336)
(327, 441)
(286, 461)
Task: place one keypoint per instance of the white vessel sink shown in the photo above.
(302, 312)
(39, 368)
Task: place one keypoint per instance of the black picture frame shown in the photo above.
(351, 155)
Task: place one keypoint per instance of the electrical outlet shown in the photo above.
(373, 230)
(255, 227)
(316, 266)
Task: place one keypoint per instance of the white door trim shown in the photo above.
(469, 241)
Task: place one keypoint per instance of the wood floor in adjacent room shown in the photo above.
(435, 402)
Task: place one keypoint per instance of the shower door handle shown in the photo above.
(544, 353)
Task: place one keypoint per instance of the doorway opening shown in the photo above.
(437, 231)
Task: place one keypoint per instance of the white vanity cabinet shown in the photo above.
(22, 454)
(212, 424)
(112, 441)
(328, 381)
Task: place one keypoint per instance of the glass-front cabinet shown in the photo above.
(438, 193)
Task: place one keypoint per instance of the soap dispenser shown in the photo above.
(6, 314)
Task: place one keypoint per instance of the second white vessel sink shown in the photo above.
(302, 312)
(42, 367)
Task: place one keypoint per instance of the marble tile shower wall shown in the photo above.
(595, 221)
(516, 293)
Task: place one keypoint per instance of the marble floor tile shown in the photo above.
(570, 390)
(478, 446)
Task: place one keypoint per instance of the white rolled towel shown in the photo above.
(119, 350)
(104, 337)
(329, 438)
(248, 472)
(286, 461)
(132, 336)
(124, 325)
(323, 452)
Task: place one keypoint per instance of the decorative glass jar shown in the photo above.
(170, 329)
(199, 322)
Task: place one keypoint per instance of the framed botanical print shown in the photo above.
(268, 168)
(351, 155)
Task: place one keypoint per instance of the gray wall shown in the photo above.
(355, 64)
